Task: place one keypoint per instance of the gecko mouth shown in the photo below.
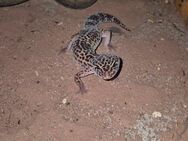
(116, 74)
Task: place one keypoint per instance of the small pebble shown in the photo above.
(185, 106)
(166, 1)
(156, 114)
(159, 67)
(150, 21)
(36, 73)
(14, 57)
(60, 23)
(62, 78)
(64, 101)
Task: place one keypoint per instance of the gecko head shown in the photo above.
(110, 66)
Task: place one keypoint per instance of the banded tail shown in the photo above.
(98, 18)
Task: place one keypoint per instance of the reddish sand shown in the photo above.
(38, 100)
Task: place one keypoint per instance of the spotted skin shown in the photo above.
(84, 44)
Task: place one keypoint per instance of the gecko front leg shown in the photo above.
(107, 35)
(68, 46)
(77, 78)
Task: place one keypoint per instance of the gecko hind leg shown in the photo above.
(77, 78)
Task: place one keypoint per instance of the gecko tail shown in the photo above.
(98, 18)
